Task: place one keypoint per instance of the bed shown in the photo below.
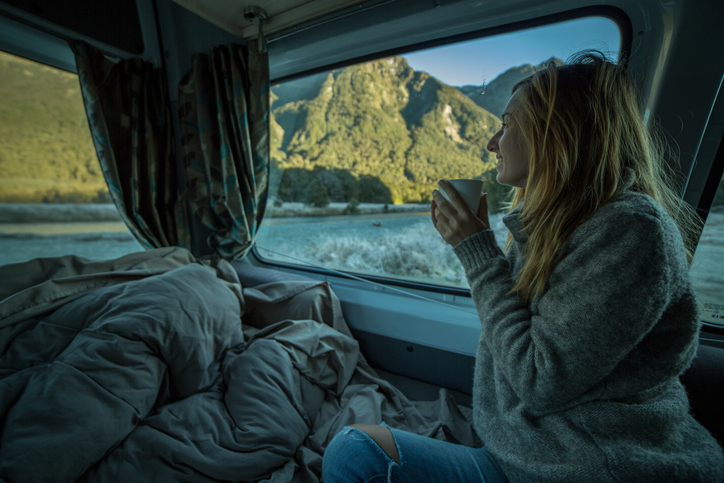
(160, 367)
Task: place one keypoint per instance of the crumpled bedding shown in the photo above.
(157, 367)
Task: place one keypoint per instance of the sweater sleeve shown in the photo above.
(610, 286)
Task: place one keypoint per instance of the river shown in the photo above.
(401, 245)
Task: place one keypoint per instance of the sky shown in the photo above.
(475, 61)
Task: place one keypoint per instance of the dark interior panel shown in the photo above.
(113, 22)
(435, 366)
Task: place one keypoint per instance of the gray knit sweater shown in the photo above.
(583, 385)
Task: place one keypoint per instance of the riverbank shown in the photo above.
(23, 213)
(286, 210)
(20, 213)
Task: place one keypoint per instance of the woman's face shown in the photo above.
(510, 149)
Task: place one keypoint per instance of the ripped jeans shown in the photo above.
(352, 456)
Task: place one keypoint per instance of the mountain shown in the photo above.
(494, 96)
(376, 132)
(46, 152)
(304, 89)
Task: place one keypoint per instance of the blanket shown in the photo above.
(157, 367)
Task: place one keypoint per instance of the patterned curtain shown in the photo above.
(224, 124)
(129, 117)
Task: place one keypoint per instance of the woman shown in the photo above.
(589, 317)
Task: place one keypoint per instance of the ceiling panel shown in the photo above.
(282, 14)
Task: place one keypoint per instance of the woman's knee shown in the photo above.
(352, 456)
(383, 437)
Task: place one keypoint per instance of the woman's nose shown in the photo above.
(493, 143)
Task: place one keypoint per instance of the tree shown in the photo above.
(317, 194)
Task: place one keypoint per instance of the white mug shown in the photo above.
(469, 189)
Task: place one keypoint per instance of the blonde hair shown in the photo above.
(583, 129)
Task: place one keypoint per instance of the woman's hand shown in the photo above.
(453, 219)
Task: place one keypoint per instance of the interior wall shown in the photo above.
(182, 34)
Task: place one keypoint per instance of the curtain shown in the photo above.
(224, 125)
(129, 117)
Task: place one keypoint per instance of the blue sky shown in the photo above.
(474, 61)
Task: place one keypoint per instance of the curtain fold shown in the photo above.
(224, 125)
(129, 117)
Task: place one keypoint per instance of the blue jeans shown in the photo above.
(352, 456)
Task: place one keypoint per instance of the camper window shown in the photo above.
(357, 151)
(706, 270)
(53, 198)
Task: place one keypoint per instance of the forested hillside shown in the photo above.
(46, 152)
(375, 132)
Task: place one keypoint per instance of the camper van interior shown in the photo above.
(216, 246)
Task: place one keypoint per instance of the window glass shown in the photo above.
(357, 151)
(706, 270)
(53, 198)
